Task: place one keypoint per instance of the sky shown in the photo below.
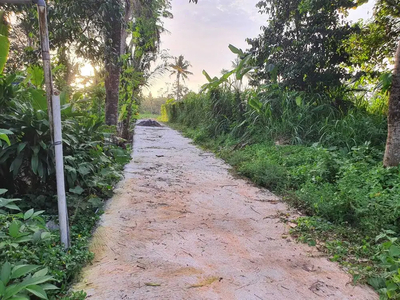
(202, 33)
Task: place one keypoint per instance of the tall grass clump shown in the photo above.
(277, 114)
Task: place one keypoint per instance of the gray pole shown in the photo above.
(58, 149)
(44, 42)
(56, 136)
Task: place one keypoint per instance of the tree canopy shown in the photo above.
(302, 43)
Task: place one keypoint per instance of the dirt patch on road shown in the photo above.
(149, 123)
(181, 227)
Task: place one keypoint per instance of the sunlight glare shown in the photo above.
(87, 70)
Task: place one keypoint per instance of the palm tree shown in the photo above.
(180, 69)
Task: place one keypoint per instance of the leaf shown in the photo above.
(4, 49)
(5, 138)
(3, 191)
(16, 288)
(45, 235)
(22, 270)
(255, 104)
(41, 272)
(2, 289)
(270, 68)
(6, 131)
(37, 280)
(77, 190)
(225, 77)
(16, 165)
(37, 236)
(394, 251)
(41, 170)
(83, 170)
(35, 149)
(152, 284)
(43, 145)
(13, 230)
(12, 206)
(5, 273)
(49, 286)
(8, 203)
(380, 236)
(205, 282)
(39, 100)
(243, 68)
(207, 76)
(36, 75)
(21, 147)
(235, 50)
(37, 291)
(20, 297)
(23, 239)
(35, 163)
(12, 290)
(37, 213)
(28, 214)
(299, 101)
(377, 282)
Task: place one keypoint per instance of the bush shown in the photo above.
(93, 164)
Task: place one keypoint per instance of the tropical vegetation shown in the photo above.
(317, 124)
(120, 40)
(180, 69)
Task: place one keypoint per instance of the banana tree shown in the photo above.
(242, 68)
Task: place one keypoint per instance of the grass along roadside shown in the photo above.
(349, 201)
(148, 116)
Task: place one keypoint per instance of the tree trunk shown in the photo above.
(111, 83)
(392, 153)
(112, 66)
(178, 89)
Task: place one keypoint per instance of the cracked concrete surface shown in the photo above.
(181, 227)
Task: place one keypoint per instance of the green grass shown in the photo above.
(148, 116)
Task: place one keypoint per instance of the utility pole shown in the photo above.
(53, 104)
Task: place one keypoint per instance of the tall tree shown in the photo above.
(392, 153)
(374, 44)
(180, 69)
(113, 36)
(145, 29)
(387, 25)
(92, 27)
(302, 43)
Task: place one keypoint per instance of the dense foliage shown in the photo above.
(92, 166)
(34, 264)
(302, 45)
